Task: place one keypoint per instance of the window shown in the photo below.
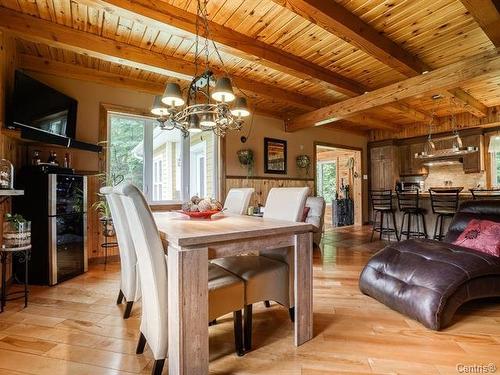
(198, 167)
(327, 180)
(157, 178)
(164, 164)
(495, 169)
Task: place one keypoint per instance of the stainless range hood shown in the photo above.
(443, 162)
(447, 153)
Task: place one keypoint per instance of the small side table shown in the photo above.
(5, 252)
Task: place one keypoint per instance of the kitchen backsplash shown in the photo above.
(455, 173)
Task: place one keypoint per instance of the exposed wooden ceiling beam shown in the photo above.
(60, 69)
(400, 107)
(59, 36)
(487, 15)
(334, 18)
(466, 102)
(109, 50)
(370, 121)
(160, 13)
(483, 65)
(163, 16)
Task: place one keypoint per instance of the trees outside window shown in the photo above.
(159, 161)
(327, 180)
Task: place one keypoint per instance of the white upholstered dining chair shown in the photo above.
(315, 217)
(268, 279)
(237, 200)
(129, 282)
(226, 292)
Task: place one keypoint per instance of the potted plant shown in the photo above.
(304, 163)
(246, 160)
(101, 204)
(16, 231)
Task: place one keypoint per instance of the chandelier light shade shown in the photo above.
(494, 144)
(240, 108)
(209, 102)
(172, 95)
(208, 120)
(194, 124)
(223, 91)
(159, 108)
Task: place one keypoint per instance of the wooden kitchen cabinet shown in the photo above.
(408, 164)
(473, 163)
(384, 164)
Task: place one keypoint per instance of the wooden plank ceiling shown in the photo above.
(288, 60)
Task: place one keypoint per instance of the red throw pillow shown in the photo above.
(481, 235)
(305, 212)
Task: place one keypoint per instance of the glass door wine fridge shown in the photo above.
(56, 203)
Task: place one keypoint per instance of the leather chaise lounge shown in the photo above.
(429, 280)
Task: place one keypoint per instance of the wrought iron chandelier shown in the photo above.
(208, 100)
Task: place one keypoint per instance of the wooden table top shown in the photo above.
(181, 230)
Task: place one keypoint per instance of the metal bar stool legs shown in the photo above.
(382, 204)
(410, 231)
(439, 227)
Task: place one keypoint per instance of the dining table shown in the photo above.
(191, 243)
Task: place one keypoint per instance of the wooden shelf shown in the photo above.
(10, 192)
(45, 141)
(16, 134)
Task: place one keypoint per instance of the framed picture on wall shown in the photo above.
(274, 156)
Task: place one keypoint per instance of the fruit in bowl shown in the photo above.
(201, 208)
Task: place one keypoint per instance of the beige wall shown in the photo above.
(89, 95)
(301, 142)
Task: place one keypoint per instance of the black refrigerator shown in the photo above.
(56, 204)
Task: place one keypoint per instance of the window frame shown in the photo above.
(106, 110)
(495, 175)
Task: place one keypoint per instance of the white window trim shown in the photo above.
(493, 165)
(158, 182)
(185, 162)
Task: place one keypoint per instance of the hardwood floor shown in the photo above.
(76, 328)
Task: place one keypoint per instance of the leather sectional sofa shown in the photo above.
(429, 280)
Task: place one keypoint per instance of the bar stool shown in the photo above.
(444, 202)
(408, 203)
(485, 194)
(382, 204)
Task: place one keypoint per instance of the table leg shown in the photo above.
(188, 311)
(303, 288)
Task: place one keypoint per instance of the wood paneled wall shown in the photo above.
(9, 149)
(262, 185)
(95, 228)
(443, 124)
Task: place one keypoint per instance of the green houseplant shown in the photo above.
(101, 204)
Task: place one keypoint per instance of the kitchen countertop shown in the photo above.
(464, 194)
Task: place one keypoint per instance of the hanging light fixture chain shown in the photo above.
(194, 114)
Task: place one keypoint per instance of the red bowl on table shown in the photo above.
(200, 215)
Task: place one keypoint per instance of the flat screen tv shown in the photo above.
(38, 106)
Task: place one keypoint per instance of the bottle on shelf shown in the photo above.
(67, 161)
(35, 160)
(52, 158)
